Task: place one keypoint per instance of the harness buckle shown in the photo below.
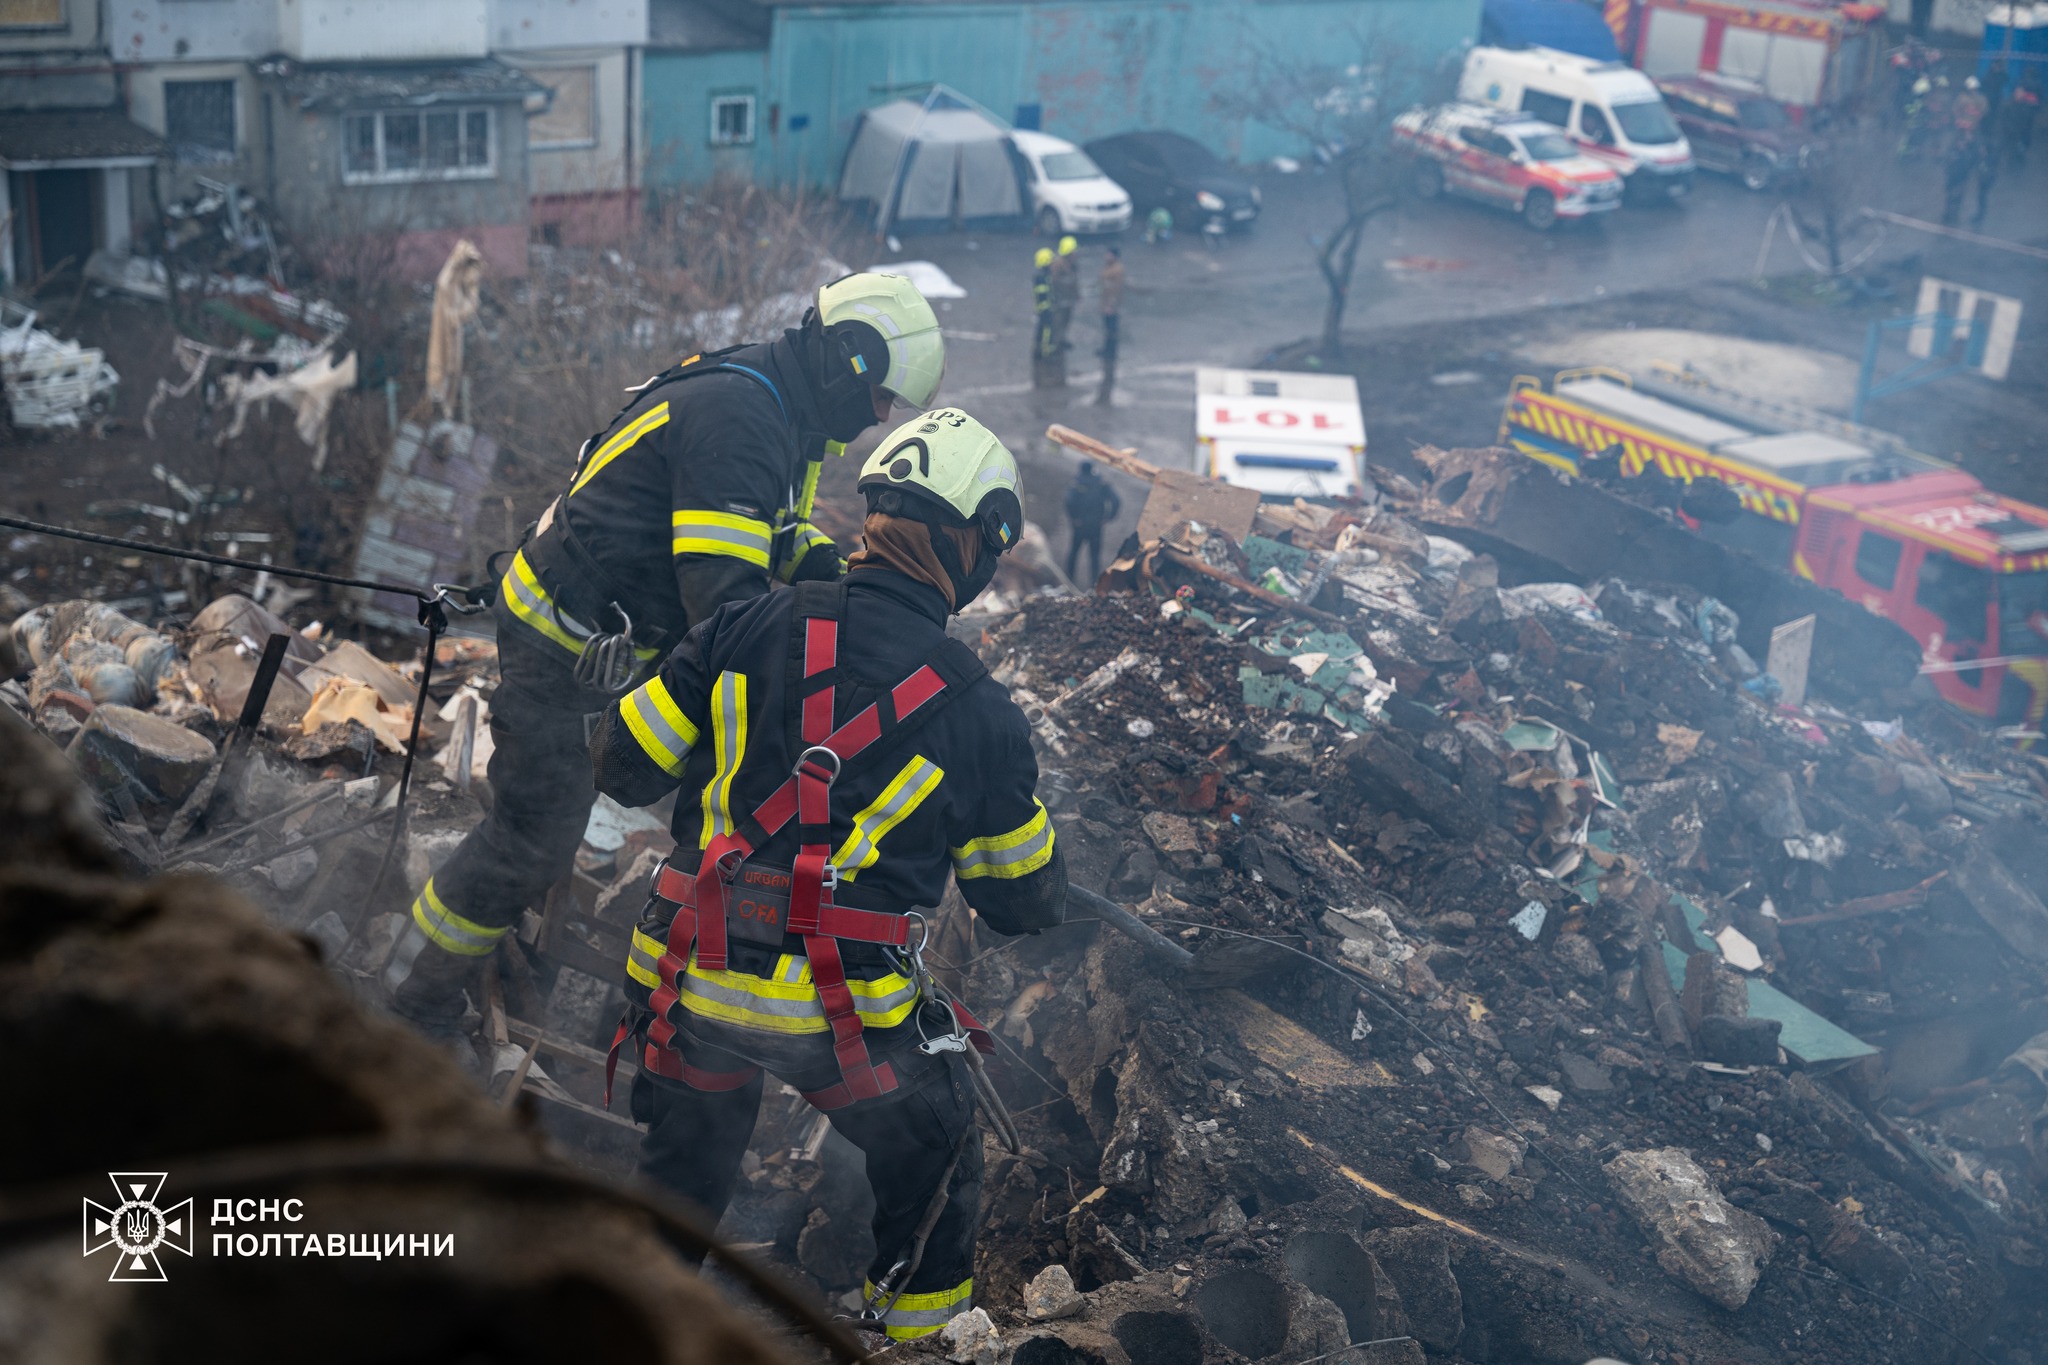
(828, 878)
(804, 760)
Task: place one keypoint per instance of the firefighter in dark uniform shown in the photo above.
(838, 757)
(698, 494)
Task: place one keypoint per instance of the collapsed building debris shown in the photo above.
(1547, 992)
(330, 1137)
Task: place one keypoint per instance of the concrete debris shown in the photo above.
(1699, 1236)
(1051, 1295)
(124, 752)
(971, 1338)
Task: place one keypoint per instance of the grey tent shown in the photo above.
(933, 164)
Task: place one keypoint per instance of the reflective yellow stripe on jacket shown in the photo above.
(803, 538)
(530, 602)
(653, 419)
(729, 746)
(920, 1315)
(905, 793)
(658, 725)
(785, 1001)
(698, 532)
(643, 959)
(463, 937)
(1019, 853)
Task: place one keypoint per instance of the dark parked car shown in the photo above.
(1738, 131)
(1194, 184)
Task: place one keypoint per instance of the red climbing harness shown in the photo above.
(705, 901)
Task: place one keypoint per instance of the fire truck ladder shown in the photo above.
(1689, 385)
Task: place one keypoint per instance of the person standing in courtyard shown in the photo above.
(1111, 285)
(1090, 504)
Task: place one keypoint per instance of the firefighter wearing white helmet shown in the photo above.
(696, 495)
(835, 760)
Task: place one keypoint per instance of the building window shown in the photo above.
(417, 144)
(31, 13)
(732, 120)
(570, 120)
(199, 121)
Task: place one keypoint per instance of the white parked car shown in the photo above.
(1069, 192)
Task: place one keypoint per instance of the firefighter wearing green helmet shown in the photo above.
(697, 494)
(835, 758)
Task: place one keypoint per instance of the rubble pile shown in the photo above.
(1557, 990)
(247, 1073)
(1646, 1017)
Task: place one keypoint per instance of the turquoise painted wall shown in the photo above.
(1094, 66)
(676, 101)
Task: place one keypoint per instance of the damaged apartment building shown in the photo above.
(371, 129)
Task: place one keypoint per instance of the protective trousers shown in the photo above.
(541, 791)
(698, 1130)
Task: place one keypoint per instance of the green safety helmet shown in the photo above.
(1042, 257)
(1068, 246)
(877, 332)
(944, 468)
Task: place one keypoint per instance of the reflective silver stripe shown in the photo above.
(729, 739)
(916, 1315)
(643, 960)
(777, 1000)
(919, 778)
(647, 713)
(978, 859)
(727, 535)
(463, 937)
(544, 607)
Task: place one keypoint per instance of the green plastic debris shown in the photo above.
(1805, 1036)
(1280, 692)
(1606, 786)
(1263, 553)
(1587, 888)
(1532, 736)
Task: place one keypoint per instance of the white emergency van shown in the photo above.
(1611, 110)
(1286, 435)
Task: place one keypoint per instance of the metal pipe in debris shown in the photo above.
(1133, 928)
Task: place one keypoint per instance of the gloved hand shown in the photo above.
(821, 563)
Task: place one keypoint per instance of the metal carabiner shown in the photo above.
(608, 666)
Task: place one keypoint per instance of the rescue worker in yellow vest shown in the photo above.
(838, 757)
(698, 494)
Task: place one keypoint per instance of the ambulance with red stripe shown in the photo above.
(1509, 160)
(1960, 568)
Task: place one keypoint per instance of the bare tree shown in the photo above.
(1342, 103)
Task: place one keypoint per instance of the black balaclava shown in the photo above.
(845, 396)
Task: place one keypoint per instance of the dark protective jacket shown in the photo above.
(696, 495)
(953, 794)
(1090, 502)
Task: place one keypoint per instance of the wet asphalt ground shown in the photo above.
(1259, 294)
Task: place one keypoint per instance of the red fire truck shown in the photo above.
(1960, 568)
(1802, 53)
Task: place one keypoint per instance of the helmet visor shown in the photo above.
(913, 403)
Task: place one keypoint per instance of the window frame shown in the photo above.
(721, 98)
(1542, 115)
(1895, 552)
(233, 151)
(383, 175)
